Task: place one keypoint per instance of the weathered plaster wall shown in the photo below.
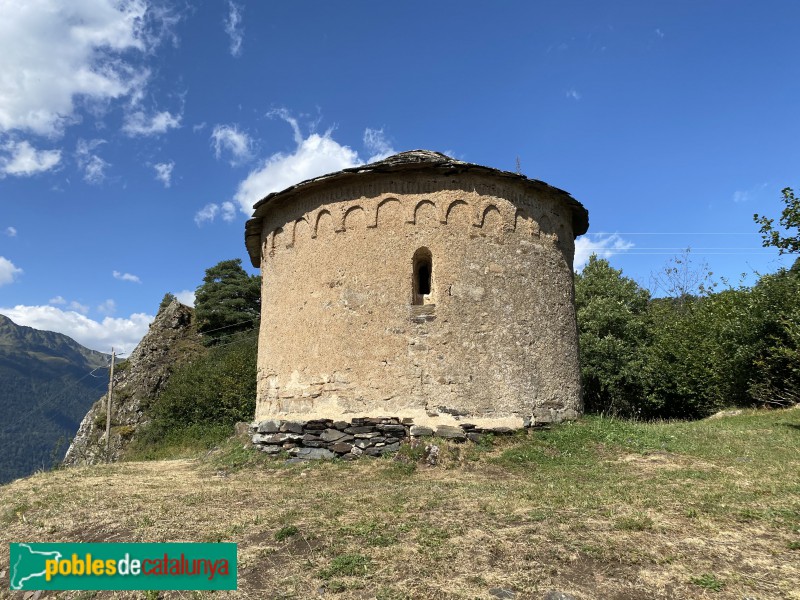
(339, 335)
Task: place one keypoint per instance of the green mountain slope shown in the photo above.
(45, 389)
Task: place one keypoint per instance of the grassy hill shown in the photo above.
(45, 391)
(601, 509)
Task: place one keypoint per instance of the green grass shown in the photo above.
(708, 581)
(634, 523)
(285, 532)
(599, 508)
(698, 464)
(346, 565)
(183, 442)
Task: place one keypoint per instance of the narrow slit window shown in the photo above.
(424, 279)
(422, 276)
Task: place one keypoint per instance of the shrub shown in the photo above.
(201, 401)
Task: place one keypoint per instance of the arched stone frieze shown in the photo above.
(354, 218)
(423, 210)
(323, 224)
(455, 212)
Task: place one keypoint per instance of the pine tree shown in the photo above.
(228, 301)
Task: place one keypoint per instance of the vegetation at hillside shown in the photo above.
(601, 508)
(689, 355)
(695, 350)
(202, 401)
(206, 396)
(45, 391)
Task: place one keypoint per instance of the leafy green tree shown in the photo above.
(775, 374)
(699, 355)
(790, 219)
(228, 301)
(612, 327)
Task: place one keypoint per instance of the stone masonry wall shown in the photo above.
(370, 436)
(341, 339)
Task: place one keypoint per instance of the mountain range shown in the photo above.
(47, 383)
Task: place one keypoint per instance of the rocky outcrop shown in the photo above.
(171, 341)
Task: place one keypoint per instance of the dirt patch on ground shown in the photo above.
(663, 461)
(571, 519)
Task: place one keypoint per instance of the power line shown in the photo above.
(631, 253)
(693, 249)
(227, 326)
(671, 233)
(244, 337)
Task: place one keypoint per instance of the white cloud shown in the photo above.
(227, 210)
(742, 196)
(108, 307)
(23, 160)
(659, 33)
(93, 166)
(164, 172)
(121, 333)
(573, 94)
(94, 169)
(11, 231)
(126, 277)
(285, 115)
(198, 127)
(604, 246)
(54, 53)
(208, 213)
(8, 271)
(78, 307)
(314, 155)
(237, 143)
(73, 306)
(185, 297)
(234, 28)
(377, 144)
(139, 124)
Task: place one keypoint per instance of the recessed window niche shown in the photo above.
(422, 277)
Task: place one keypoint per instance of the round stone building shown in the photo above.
(419, 287)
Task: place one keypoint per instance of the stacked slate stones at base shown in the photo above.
(371, 436)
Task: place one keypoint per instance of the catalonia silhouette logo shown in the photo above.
(119, 566)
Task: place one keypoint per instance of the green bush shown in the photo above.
(201, 401)
(689, 356)
(612, 328)
(219, 387)
(775, 375)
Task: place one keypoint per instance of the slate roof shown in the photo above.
(413, 160)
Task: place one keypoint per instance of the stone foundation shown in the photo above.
(371, 436)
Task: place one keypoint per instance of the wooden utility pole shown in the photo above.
(108, 404)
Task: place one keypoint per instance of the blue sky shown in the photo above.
(135, 134)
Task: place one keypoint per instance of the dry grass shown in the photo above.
(601, 509)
